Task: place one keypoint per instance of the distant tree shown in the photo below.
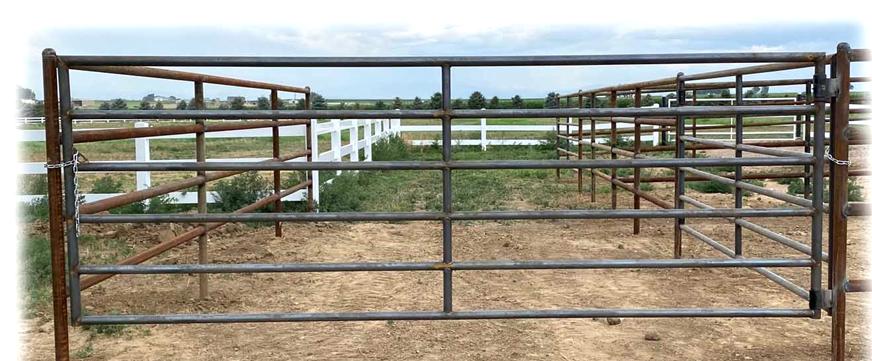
(398, 103)
(356, 106)
(144, 105)
(263, 103)
(551, 100)
(380, 105)
(476, 100)
(341, 105)
(749, 93)
(648, 100)
(158, 106)
(105, 106)
(223, 106)
(517, 102)
(436, 100)
(494, 103)
(726, 93)
(417, 103)
(457, 104)
(237, 103)
(764, 91)
(26, 93)
(318, 101)
(181, 105)
(118, 104)
(192, 104)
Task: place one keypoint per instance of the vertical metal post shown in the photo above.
(592, 150)
(70, 201)
(580, 134)
(55, 200)
(806, 180)
(820, 102)
(613, 139)
(203, 239)
(637, 149)
(447, 256)
(679, 174)
(558, 140)
(276, 145)
(693, 128)
(839, 113)
(310, 137)
(737, 192)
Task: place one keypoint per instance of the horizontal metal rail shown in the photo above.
(143, 194)
(629, 187)
(434, 216)
(858, 286)
(188, 76)
(439, 61)
(764, 175)
(85, 136)
(701, 111)
(437, 315)
(188, 236)
(790, 286)
(802, 202)
(439, 165)
(747, 148)
(438, 266)
(763, 231)
(858, 208)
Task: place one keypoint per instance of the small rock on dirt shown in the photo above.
(652, 336)
(612, 321)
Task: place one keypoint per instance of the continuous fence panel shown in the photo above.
(81, 276)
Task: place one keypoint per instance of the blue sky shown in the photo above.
(397, 40)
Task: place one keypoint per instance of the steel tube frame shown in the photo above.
(436, 315)
(439, 165)
(780, 280)
(447, 215)
(440, 266)
(438, 216)
(720, 110)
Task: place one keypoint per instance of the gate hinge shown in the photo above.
(826, 87)
(822, 299)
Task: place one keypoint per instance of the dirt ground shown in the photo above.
(562, 339)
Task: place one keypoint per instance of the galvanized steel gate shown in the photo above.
(66, 213)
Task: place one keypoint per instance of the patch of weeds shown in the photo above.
(855, 190)
(107, 184)
(36, 268)
(85, 352)
(240, 191)
(105, 330)
(34, 210)
(33, 184)
(391, 148)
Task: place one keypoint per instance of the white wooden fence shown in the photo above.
(373, 130)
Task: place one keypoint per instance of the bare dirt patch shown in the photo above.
(570, 339)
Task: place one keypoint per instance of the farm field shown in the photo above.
(582, 339)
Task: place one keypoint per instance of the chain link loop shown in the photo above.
(75, 169)
(834, 160)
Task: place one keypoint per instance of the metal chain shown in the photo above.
(829, 156)
(75, 169)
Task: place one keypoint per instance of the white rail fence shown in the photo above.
(372, 131)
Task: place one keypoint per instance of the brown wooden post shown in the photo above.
(838, 197)
(592, 150)
(55, 205)
(637, 147)
(613, 139)
(203, 239)
(277, 175)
